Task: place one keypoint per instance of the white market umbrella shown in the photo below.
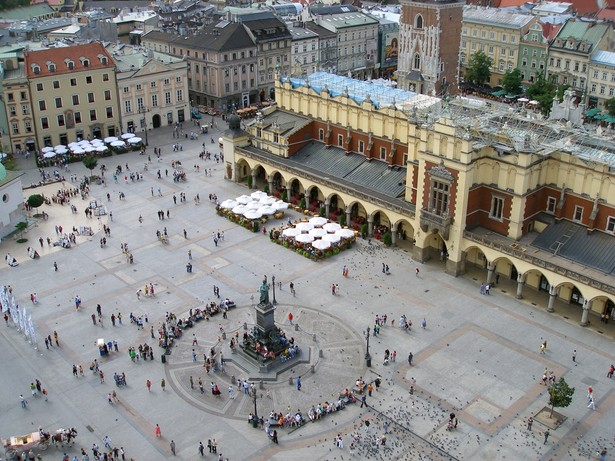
(253, 206)
(305, 226)
(333, 238)
(332, 227)
(60, 146)
(252, 214)
(345, 233)
(321, 244)
(228, 204)
(118, 143)
(47, 149)
(220, 140)
(266, 210)
(128, 135)
(84, 142)
(239, 209)
(96, 141)
(89, 149)
(243, 199)
(291, 232)
(317, 233)
(280, 205)
(267, 201)
(49, 154)
(534, 102)
(318, 221)
(110, 139)
(101, 148)
(257, 195)
(523, 100)
(304, 238)
(77, 150)
(61, 151)
(135, 140)
(3, 155)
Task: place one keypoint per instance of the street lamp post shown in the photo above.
(368, 357)
(253, 395)
(143, 110)
(273, 283)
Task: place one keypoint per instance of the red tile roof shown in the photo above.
(549, 31)
(585, 7)
(606, 13)
(93, 52)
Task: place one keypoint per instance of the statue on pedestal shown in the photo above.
(264, 290)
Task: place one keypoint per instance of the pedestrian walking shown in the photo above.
(363, 401)
(172, 445)
(163, 384)
(107, 442)
(157, 431)
(201, 449)
(546, 434)
(22, 401)
(530, 421)
(298, 383)
(591, 403)
(574, 355)
(417, 271)
(148, 384)
(410, 357)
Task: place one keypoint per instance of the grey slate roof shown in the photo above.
(352, 168)
(232, 36)
(596, 250)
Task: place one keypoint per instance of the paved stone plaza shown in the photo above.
(478, 357)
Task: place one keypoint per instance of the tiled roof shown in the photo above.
(232, 36)
(322, 32)
(93, 52)
(585, 7)
(584, 31)
(495, 17)
(606, 13)
(572, 242)
(549, 31)
(27, 12)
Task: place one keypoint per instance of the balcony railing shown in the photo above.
(431, 220)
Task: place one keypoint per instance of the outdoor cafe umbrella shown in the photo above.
(291, 232)
(118, 143)
(89, 149)
(345, 233)
(84, 142)
(266, 210)
(280, 205)
(77, 150)
(49, 154)
(252, 214)
(3, 155)
(101, 148)
(318, 221)
(317, 233)
(135, 140)
(60, 146)
(523, 100)
(110, 139)
(321, 244)
(61, 151)
(243, 199)
(267, 201)
(128, 135)
(253, 206)
(305, 226)
(228, 204)
(239, 209)
(332, 227)
(304, 238)
(257, 195)
(47, 149)
(333, 238)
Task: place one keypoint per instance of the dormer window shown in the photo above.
(70, 64)
(102, 58)
(51, 66)
(36, 68)
(85, 62)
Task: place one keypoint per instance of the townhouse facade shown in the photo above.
(304, 53)
(533, 50)
(327, 46)
(497, 33)
(601, 79)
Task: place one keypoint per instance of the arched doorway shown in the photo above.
(296, 191)
(156, 122)
(315, 199)
(380, 224)
(337, 209)
(261, 177)
(358, 216)
(96, 132)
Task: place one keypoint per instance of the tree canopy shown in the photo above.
(90, 162)
(610, 106)
(544, 91)
(479, 68)
(511, 82)
(10, 4)
(560, 394)
(36, 200)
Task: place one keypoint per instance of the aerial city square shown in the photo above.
(314, 231)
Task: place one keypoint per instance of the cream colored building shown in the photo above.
(152, 88)
(497, 33)
(73, 93)
(485, 192)
(601, 78)
(21, 124)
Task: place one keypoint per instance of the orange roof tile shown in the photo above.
(93, 52)
(606, 13)
(585, 7)
(549, 31)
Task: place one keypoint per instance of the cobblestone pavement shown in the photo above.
(478, 357)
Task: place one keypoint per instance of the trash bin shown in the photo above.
(163, 359)
(369, 362)
(254, 423)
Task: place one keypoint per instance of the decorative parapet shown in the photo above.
(432, 221)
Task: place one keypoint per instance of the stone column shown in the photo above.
(394, 235)
(552, 295)
(327, 204)
(370, 226)
(587, 305)
(490, 271)
(253, 174)
(348, 211)
(270, 181)
(520, 283)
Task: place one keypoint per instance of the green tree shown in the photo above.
(21, 227)
(560, 395)
(36, 200)
(478, 68)
(511, 81)
(90, 162)
(610, 106)
(542, 91)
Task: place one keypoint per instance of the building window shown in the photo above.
(497, 208)
(417, 61)
(13, 111)
(167, 97)
(44, 123)
(361, 147)
(418, 22)
(56, 84)
(578, 213)
(73, 82)
(551, 203)
(167, 81)
(180, 95)
(127, 106)
(105, 77)
(154, 100)
(90, 97)
(10, 96)
(61, 120)
(276, 138)
(438, 200)
(383, 153)
(77, 116)
(39, 87)
(109, 111)
(75, 100)
(140, 105)
(153, 84)
(178, 79)
(92, 115)
(126, 89)
(28, 125)
(610, 224)
(340, 140)
(15, 128)
(58, 103)
(107, 95)
(321, 134)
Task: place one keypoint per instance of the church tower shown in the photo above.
(429, 39)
